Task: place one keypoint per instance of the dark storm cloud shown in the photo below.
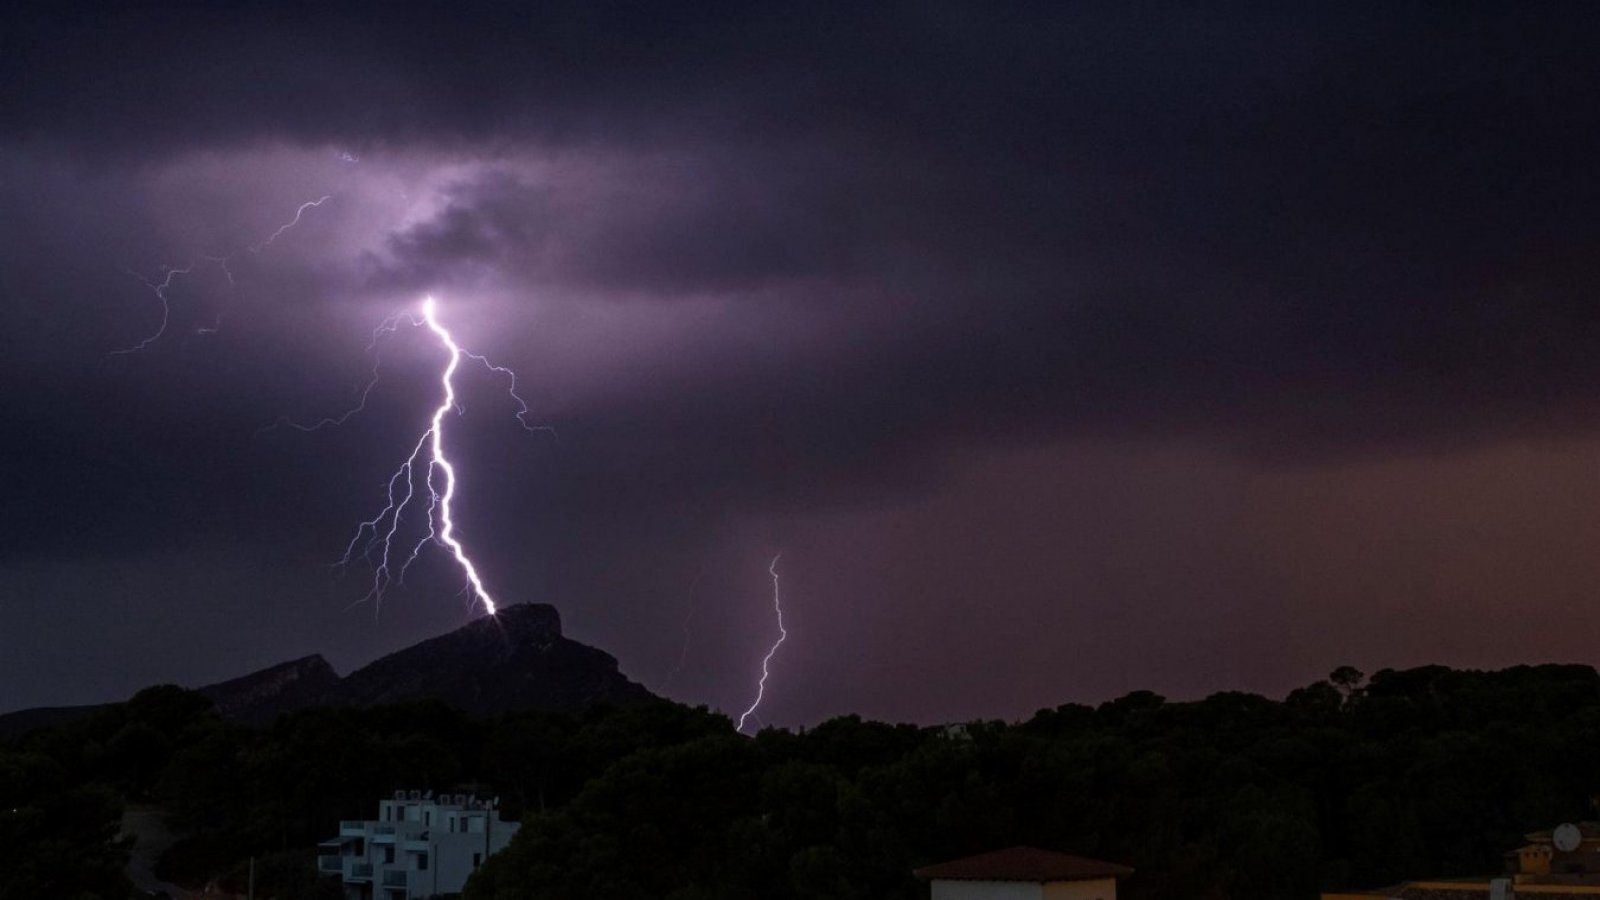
(1151, 208)
(775, 263)
(706, 223)
(1095, 221)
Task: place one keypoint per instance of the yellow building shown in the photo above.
(1566, 854)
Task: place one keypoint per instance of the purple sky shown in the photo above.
(1063, 350)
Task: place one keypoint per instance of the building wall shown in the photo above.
(1097, 889)
(987, 890)
(455, 836)
(1534, 860)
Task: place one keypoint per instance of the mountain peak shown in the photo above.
(521, 625)
(259, 696)
(514, 660)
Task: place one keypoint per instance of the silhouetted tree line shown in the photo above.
(1345, 783)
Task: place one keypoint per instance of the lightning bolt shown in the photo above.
(777, 606)
(386, 328)
(258, 247)
(160, 288)
(683, 650)
(437, 474)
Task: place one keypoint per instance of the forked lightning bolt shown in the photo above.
(388, 327)
(262, 245)
(777, 606)
(160, 288)
(437, 475)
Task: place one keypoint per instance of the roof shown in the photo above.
(1023, 864)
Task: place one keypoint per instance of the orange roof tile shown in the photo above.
(1023, 864)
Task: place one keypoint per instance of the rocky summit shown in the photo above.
(515, 660)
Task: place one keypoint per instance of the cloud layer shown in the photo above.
(776, 275)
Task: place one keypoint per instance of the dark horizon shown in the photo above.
(1062, 352)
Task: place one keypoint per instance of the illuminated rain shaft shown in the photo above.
(439, 480)
(766, 662)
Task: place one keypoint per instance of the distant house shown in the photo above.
(419, 846)
(1568, 854)
(1561, 864)
(1472, 889)
(1023, 873)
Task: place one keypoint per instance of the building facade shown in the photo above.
(419, 846)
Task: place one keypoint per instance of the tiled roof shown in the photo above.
(1023, 864)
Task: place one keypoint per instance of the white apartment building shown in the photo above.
(419, 846)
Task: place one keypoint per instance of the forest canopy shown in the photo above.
(1346, 783)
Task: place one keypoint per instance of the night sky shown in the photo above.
(1062, 350)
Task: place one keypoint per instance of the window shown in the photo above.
(388, 854)
(422, 862)
(477, 860)
(427, 817)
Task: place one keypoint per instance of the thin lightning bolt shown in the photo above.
(777, 605)
(438, 475)
(683, 651)
(257, 248)
(386, 328)
(160, 288)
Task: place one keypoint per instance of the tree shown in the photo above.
(1347, 679)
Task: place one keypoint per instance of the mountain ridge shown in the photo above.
(515, 660)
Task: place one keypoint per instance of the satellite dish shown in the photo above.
(1566, 837)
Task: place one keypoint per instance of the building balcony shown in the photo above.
(394, 878)
(352, 828)
(415, 845)
(330, 864)
(383, 834)
(361, 871)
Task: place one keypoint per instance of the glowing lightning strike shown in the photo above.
(777, 605)
(388, 327)
(160, 288)
(441, 523)
(257, 248)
